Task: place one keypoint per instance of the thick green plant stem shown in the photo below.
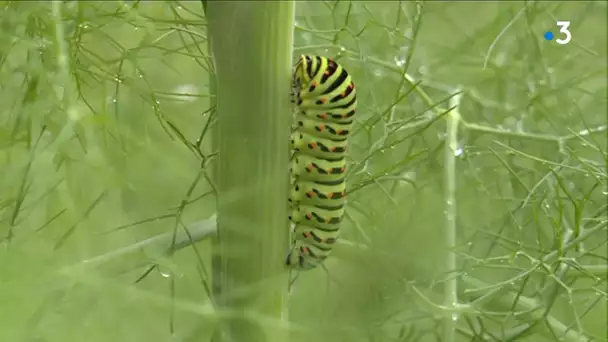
(251, 43)
(216, 262)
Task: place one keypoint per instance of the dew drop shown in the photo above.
(399, 61)
(459, 151)
(163, 273)
(400, 58)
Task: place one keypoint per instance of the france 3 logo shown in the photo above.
(564, 34)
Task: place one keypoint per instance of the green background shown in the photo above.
(85, 154)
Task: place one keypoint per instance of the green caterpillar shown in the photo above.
(326, 101)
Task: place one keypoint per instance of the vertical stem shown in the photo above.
(451, 286)
(251, 44)
(67, 99)
(216, 261)
(62, 54)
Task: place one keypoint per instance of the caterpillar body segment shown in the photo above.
(314, 193)
(335, 116)
(338, 100)
(307, 167)
(326, 219)
(318, 238)
(304, 256)
(323, 129)
(322, 81)
(306, 143)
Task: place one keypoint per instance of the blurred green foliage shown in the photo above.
(82, 157)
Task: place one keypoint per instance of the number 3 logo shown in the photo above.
(563, 28)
